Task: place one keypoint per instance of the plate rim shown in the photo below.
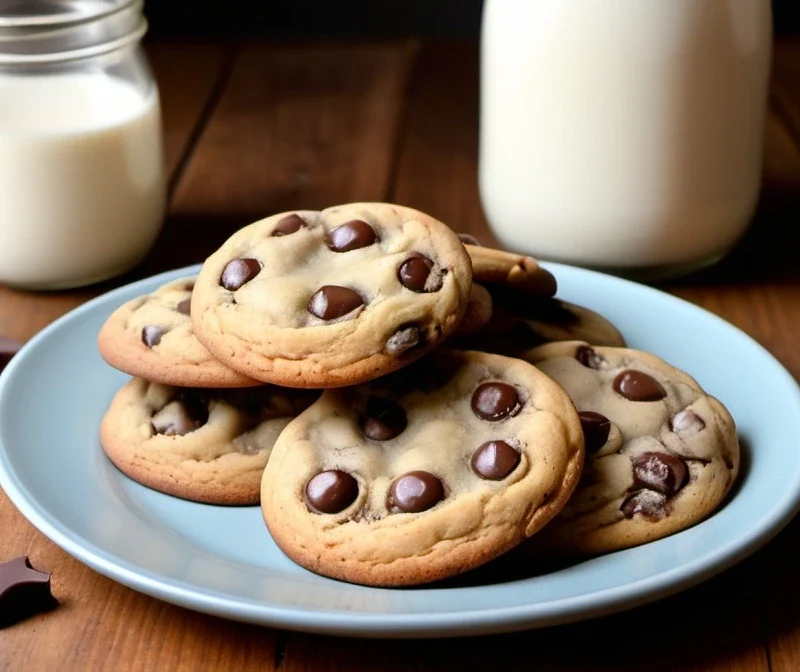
(456, 622)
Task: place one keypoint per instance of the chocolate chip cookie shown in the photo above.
(425, 473)
(152, 337)
(332, 298)
(520, 322)
(205, 445)
(507, 269)
(661, 454)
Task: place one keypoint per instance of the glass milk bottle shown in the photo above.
(82, 188)
(624, 135)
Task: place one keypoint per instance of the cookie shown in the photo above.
(331, 298)
(520, 322)
(202, 445)
(425, 473)
(478, 312)
(508, 269)
(152, 337)
(661, 454)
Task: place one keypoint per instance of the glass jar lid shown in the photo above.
(56, 30)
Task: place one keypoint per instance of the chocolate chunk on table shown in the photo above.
(24, 591)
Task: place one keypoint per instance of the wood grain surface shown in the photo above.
(252, 129)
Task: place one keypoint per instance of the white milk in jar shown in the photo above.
(82, 187)
(623, 134)
(81, 178)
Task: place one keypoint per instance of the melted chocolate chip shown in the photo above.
(662, 472)
(596, 428)
(590, 358)
(495, 401)
(384, 419)
(287, 225)
(494, 460)
(238, 272)
(184, 306)
(151, 335)
(331, 491)
(332, 301)
(180, 417)
(646, 502)
(469, 239)
(351, 235)
(414, 272)
(415, 491)
(637, 386)
(687, 422)
(402, 340)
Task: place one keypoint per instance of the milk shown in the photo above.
(622, 133)
(81, 178)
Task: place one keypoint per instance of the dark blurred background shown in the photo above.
(299, 19)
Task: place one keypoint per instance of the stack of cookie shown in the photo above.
(403, 404)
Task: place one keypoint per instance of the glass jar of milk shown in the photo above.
(624, 135)
(82, 189)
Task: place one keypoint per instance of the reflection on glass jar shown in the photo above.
(82, 188)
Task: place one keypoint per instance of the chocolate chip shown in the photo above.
(384, 419)
(332, 301)
(469, 239)
(289, 224)
(414, 272)
(331, 491)
(180, 417)
(590, 358)
(237, 272)
(495, 401)
(659, 471)
(415, 491)
(24, 591)
(351, 235)
(637, 386)
(646, 502)
(184, 306)
(8, 348)
(687, 422)
(494, 460)
(402, 340)
(151, 335)
(596, 428)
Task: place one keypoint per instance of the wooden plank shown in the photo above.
(186, 76)
(786, 82)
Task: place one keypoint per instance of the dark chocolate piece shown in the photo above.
(24, 591)
(331, 491)
(596, 427)
(638, 386)
(590, 358)
(351, 235)
(495, 401)
(238, 272)
(288, 225)
(659, 471)
(402, 340)
(649, 503)
(494, 460)
(687, 422)
(469, 239)
(414, 272)
(151, 334)
(332, 301)
(383, 419)
(415, 491)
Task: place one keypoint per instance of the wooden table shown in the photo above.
(253, 129)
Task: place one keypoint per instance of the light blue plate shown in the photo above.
(222, 560)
